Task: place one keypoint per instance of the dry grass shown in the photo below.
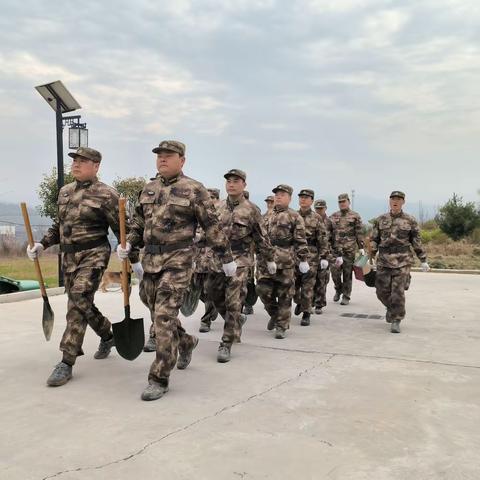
(21, 268)
(454, 255)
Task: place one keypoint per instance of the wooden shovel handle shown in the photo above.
(123, 242)
(28, 228)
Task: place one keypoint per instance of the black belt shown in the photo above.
(281, 243)
(157, 249)
(201, 244)
(237, 245)
(395, 249)
(79, 247)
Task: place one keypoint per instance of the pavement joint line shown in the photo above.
(359, 355)
(292, 379)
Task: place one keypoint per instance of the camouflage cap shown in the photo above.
(269, 199)
(343, 196)
(283, 188)
(90, 153)
(214, 192)
(397, 193)
(235, 172)
(320, 204)
(307, 193)
(171, 146)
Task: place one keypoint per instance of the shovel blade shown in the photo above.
(47, 318)
(129, 337)
(370, 278)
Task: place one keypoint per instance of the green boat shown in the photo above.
(10, 285)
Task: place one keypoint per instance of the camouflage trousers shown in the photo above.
(228, 295)
(304, 287)
(250, 285)
(320, 289)
(342, 277)
(211, 313)
(276, 293)
(163, 294)
(81, 286)
(390, 284)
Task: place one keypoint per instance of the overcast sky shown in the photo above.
(334, 95)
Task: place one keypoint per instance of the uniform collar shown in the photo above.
(344, 212)
(278, 208)
(235, 203)
(396, 215)
(86, 183)
(170, 181)
(305, 213)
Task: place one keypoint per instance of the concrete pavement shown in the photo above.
(342, 399)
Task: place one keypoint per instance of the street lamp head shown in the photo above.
(57, 92)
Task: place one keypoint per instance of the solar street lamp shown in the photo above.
(61, 101)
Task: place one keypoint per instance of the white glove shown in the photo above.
(138, 270)
(425, 267)
(339, 262)
(35, 251)
(272, 268)
(323, 264)
(122, 253)
(304, 267)
(362, 252)
(230, 268)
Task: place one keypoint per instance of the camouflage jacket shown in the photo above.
(331, 238)
(348, 231)
(394, 236)
(286, 231)
(203, 255)
(243, 224)
(316, 236)
(85, 211)
(166, 219)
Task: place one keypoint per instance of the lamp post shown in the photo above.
(61, 101)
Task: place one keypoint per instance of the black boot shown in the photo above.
(305, 322)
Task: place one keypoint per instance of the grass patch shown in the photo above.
(21, 268)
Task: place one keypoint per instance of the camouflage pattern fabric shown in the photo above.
(211, 312)
(85, 211)
(228, 295)
(320, 289)
(81, 286)
(242, 223)
(347, 225)
(276, 293)
(342, 277)
(163, 293)
(168, 213)
(317, 241)
(395, 237)
(390, 284)
(286, 231)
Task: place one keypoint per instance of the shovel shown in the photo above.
(47, 318)
(129, 333)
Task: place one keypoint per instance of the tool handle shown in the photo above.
(123, 242)
(28, 228)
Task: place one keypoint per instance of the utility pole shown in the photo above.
(353, 199)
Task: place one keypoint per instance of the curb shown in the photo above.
(447, 270)
(30, 295)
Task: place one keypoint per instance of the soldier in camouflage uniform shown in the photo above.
(286, 231)
(86, 209)
(348, 230)
(269, 202)
(316, 236)
(323, 276)
(170, 207)
(394, 236)
(242, 223)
